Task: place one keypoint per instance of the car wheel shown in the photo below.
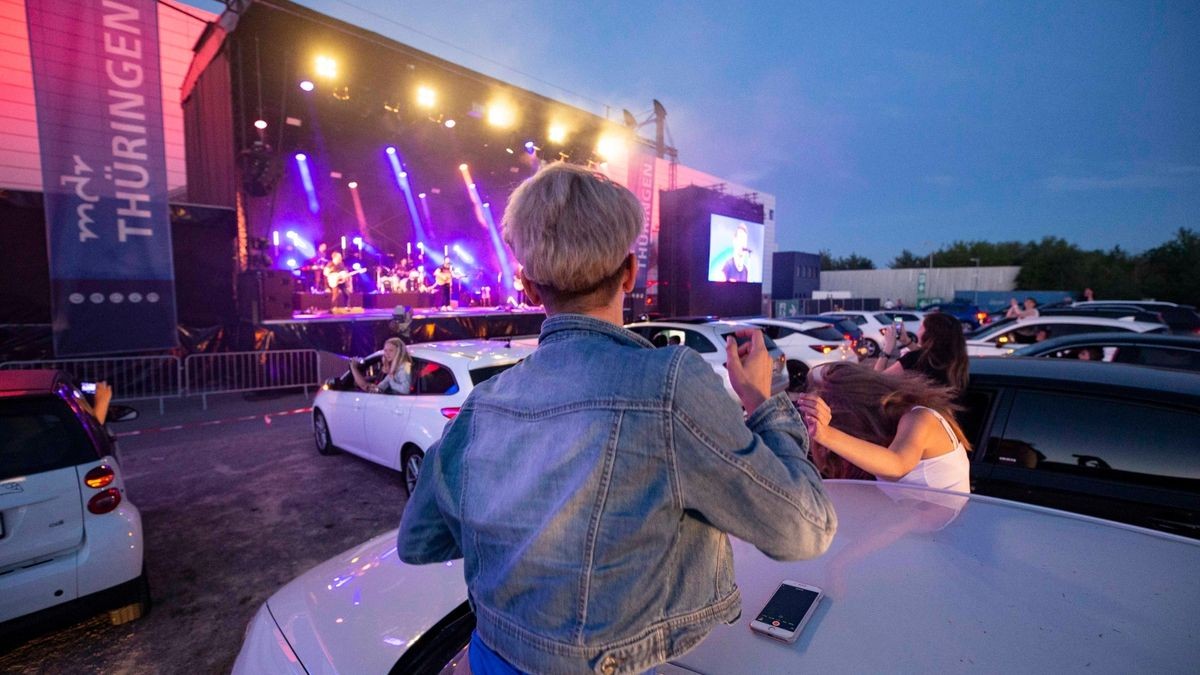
(797, 376)
(410, 460)
(138, 606)
(325, 444)
(871, 347)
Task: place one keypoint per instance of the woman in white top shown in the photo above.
(395, 370)
(898, 427)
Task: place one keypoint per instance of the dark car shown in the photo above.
(848, 328)
(1114, 441)
(968, 313)
(1182, 319)
(1177, 352)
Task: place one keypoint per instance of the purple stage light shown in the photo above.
(307, 85)
(292, 263)
(391, 150)
(306, 177)
(275, 238)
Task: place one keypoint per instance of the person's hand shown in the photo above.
(889, 340)
(101, 400)
(749, 367)
(902, 337)
(816, 416)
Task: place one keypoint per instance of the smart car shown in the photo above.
(395, 430)
(70, 538)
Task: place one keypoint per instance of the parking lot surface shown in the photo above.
(235, 502)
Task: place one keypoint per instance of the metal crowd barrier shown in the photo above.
(231, 372)
(148, 377)
(132, 377)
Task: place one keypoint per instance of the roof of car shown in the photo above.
(790, 322)
(477, 350)
(1050, 320)
(1113, 338)
(1087, 375)
(916, 580)
(29, 381)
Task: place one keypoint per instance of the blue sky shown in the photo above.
(878, 126)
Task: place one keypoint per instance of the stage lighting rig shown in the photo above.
(557, 133)
(326, 67)
(426, 97)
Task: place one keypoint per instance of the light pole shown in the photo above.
(976, 261)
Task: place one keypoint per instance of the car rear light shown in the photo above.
(1196, 330)
(99, 477)
(450, 413)
(104, 502)
(822, 349)
(981, 317)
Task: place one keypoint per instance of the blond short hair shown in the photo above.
(571, 228)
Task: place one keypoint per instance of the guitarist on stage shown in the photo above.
(337, 279)
(443, 278)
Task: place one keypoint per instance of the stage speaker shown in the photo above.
(795, 275)
(265, 295)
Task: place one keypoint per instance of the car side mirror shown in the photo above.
(121, 413)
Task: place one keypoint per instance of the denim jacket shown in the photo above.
(590, 490)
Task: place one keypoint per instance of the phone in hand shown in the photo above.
(788, 610)
(898, 325)
(87, 387)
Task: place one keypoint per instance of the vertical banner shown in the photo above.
(641, 183)
(98, 88)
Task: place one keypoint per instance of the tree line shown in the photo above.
(1170, 271)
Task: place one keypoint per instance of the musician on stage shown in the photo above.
(337, 280)
(443, 277)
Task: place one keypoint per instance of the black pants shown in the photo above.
(445, 289)
(339, 296)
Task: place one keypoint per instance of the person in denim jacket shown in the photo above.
(591, 489)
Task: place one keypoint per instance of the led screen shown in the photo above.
(735, 250)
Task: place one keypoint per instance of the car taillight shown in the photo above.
(1196, 330)
(450, 413)
(99, 477)
(822, 349)
(981, 317)
(103, 502)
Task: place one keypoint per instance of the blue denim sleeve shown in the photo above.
(428, 531)
(750, 478)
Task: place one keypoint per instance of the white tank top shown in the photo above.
(951, 471)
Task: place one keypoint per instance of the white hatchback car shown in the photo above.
(805, 345)
(872, 325)
(395, 430)
(917, 580)
(70, 538)
(1008, 335)
(707, 336)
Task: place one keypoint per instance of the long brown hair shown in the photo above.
(944, 349)
(868, 404)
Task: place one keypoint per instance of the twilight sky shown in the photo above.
(877, 125)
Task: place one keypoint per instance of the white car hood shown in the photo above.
(916, 580)
(359, 611)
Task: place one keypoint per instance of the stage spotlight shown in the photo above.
(326, 67)
(291, 234)
(449, 124)
(358, 241)
(557, 133)
(501, 114)
(260, 124)
(357, 266)
(292, 263)
(391, 150)
(343, 242)
(307, 85)
(275, 238)
(509, 150)
(609, 146)
(353, 185)
(404, 174)
(426, 97)
(301, 157)
(421, 196)
(462, 167)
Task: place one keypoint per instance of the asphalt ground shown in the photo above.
(235, 502)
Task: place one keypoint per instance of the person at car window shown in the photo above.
(939, 352)
(1029, 311)
(898, 427)
(591, 490)
(395, 370)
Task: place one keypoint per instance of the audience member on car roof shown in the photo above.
(1029, 311)
(591, 489)
(939, 352)
(898, 427)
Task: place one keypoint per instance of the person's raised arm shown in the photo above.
(751, 476)
(913, 436)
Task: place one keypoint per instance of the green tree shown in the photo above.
(1169, 271)
(850, 262)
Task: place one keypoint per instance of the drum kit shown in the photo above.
(396, 280)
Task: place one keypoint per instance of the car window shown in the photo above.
(776, 332)
(978, 406)
(1130, 442)
(433, 378)
(883, 318)
(479, 375)
(40, 433)
(824, 333)
(1159, 357)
